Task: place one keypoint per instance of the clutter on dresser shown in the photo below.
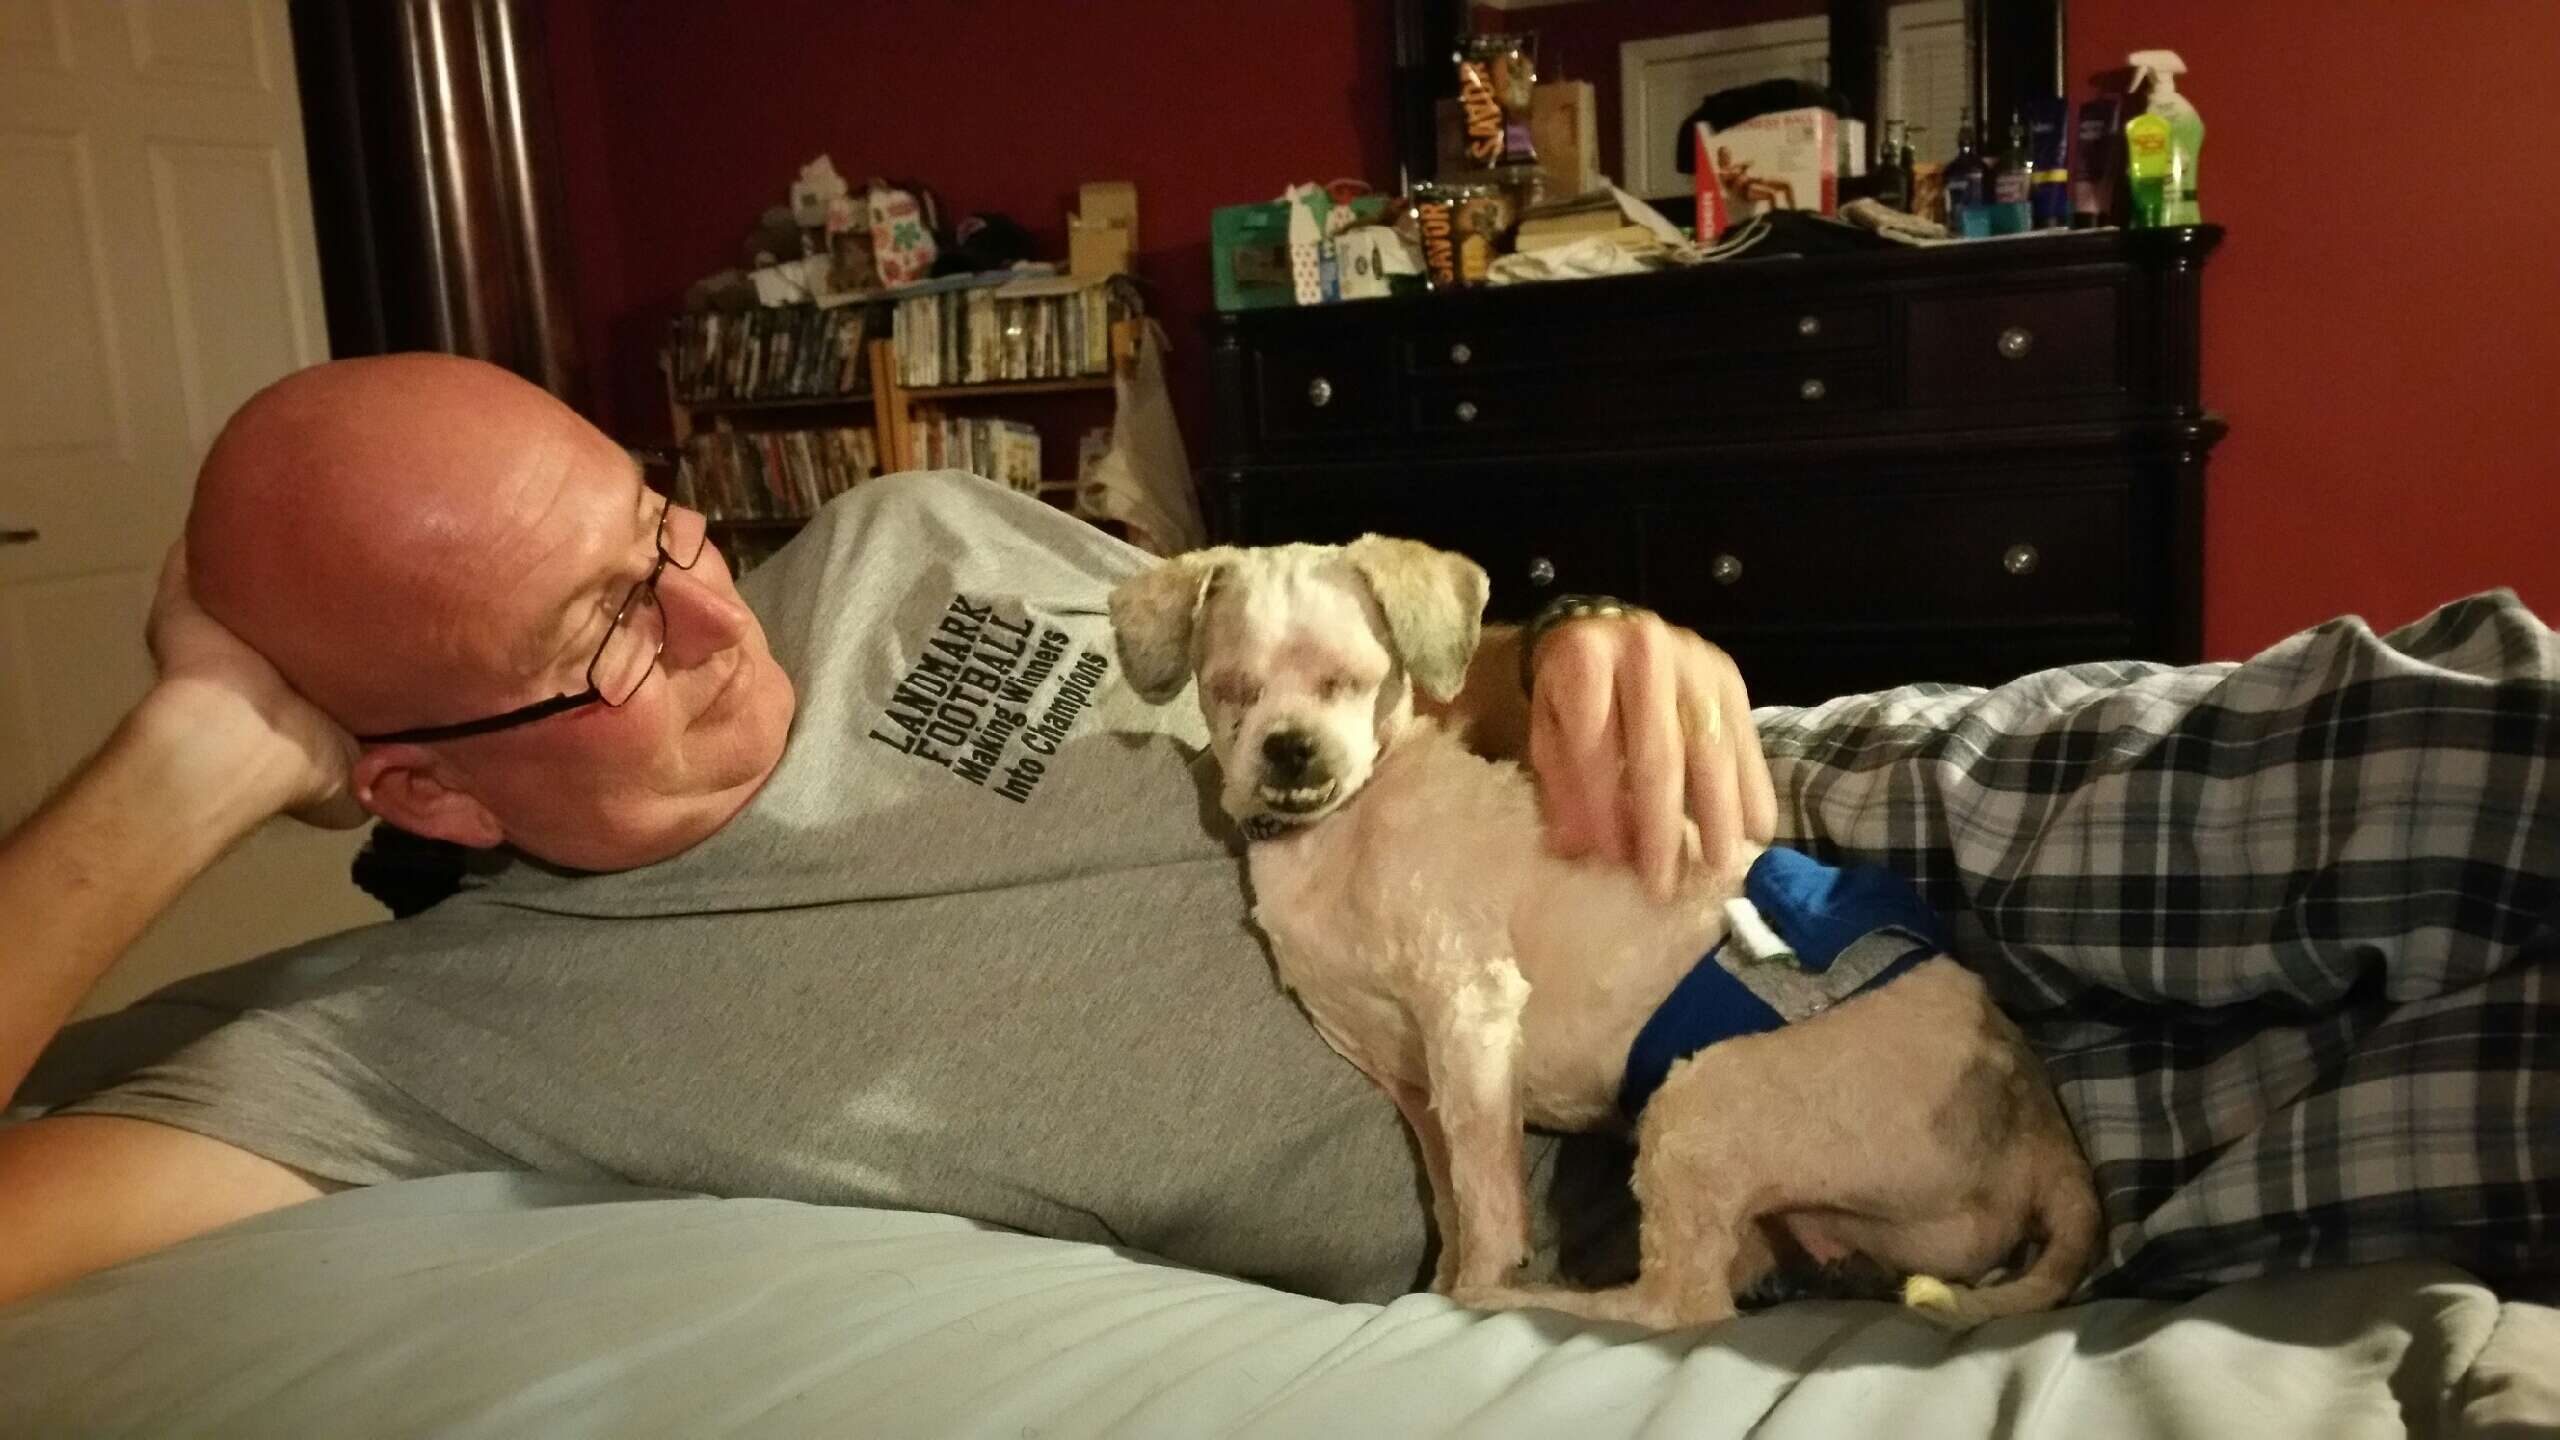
(2127, 156)
(1292, 250)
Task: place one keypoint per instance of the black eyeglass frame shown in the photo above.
(594, 693)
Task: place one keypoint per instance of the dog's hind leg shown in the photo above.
(1698, 1241)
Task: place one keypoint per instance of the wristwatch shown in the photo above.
(1556, 612)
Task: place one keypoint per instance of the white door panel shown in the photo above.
(157, 266)
(1662, 79)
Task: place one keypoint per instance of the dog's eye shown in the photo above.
(1231, 690)
(1333, 687)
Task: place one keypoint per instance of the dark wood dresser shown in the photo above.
(1961, 463)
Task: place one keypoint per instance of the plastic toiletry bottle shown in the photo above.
(1968, 186)
(1893, 183)
(2097, 167)
(2049, 138)
(2146, 170)
(2161, 68)
(2013, 185)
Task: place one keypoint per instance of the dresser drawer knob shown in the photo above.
(2015, 342)
(1808, 326)
(2020, 560)
(1726, 568)
(1813, 389)
(1461, 353)
(1542, 572)
(1466, 412)
(1319, 392)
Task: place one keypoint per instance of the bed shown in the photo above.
(510, 1304)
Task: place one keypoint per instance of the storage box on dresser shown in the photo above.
(1960, 463)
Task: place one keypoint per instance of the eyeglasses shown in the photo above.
(628, 656)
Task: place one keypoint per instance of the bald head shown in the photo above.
(364, 524)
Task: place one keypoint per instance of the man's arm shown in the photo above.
(101, 860)
(219, 744)
(1638, 729)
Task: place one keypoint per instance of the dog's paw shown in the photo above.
(1937, 1301)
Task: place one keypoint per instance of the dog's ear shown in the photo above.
(1151, 615)
(1434, 605)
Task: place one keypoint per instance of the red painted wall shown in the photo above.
(682, 121)
(2383, 322)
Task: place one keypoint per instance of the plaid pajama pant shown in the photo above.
(2287, 931)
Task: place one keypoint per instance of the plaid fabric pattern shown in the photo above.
(2287, 931)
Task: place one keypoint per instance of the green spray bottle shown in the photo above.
(2161, 69)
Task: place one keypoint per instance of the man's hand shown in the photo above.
(1638, 730)
(244, 713)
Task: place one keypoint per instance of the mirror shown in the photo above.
(1649, 63)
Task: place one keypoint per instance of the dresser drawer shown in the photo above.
(1890, 557)
(2015, 345)
(1456, 346)
(1322, 392)
(1533, 540)
(1599, 406)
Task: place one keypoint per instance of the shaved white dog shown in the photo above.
(1415, 912)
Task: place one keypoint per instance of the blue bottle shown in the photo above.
(1968, 186)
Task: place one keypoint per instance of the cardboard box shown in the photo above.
(1249, 255)
(1789, 160)
(1372, 257)
(1249, 251)
(1564, 123)
(1102, 236)
(1564, 126)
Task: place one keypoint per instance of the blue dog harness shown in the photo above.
(1803, 937)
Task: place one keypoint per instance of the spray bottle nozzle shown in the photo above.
(2158, 69)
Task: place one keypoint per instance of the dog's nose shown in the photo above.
(1287, 754)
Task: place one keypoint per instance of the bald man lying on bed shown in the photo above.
(868, 882)
(897, 950)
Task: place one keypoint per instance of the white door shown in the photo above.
(156, 267)
(1928, 75)
(1662, 79)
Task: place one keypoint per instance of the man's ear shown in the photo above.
(1152, 614)
(1434, 605)
(410, 787)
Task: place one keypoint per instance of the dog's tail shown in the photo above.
(2067, 1214)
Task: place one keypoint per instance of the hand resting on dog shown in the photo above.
(1879, 1106)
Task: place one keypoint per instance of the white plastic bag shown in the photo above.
(1144, 479)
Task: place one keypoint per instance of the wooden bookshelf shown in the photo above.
(892, 407)
(896, 422)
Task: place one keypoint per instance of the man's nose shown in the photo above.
(704, 615)
(1286, 754)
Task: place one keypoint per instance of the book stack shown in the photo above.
(1049, 328)
(773, 474)
(783, 352)
(1005, 451)
(1567, 222)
